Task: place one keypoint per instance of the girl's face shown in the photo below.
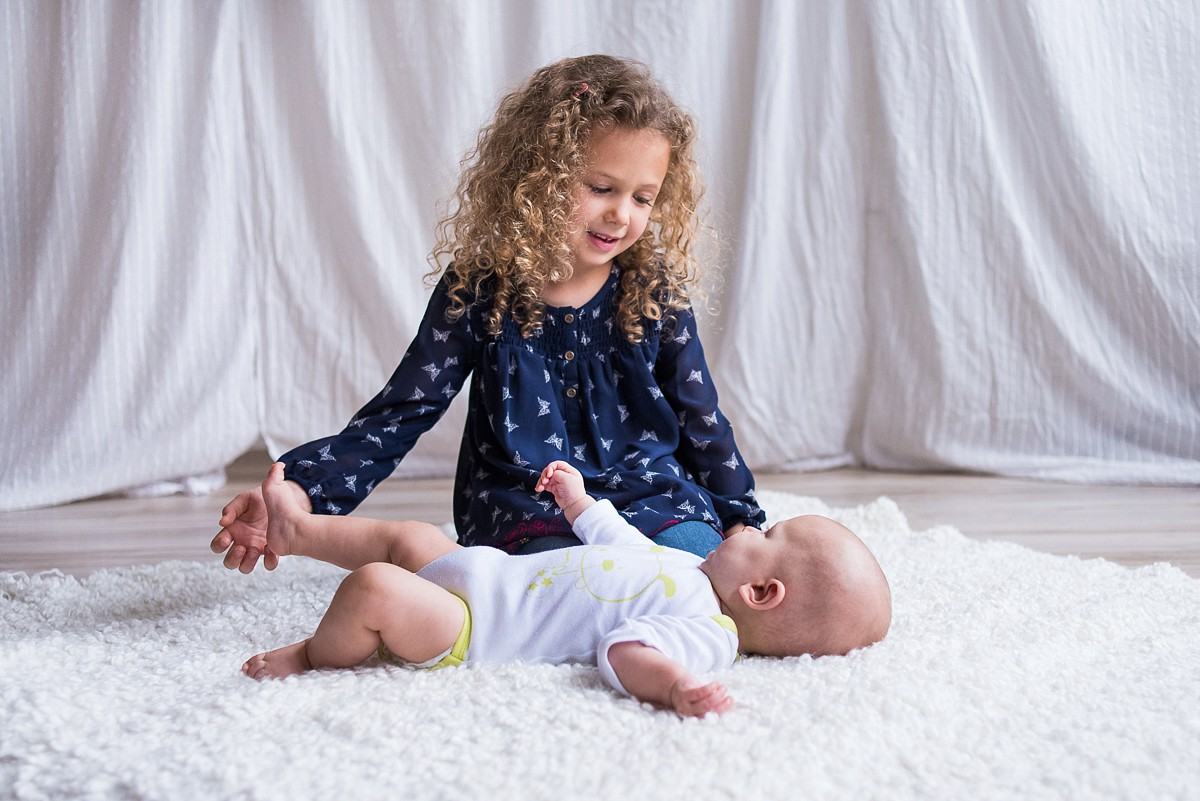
(626, 169)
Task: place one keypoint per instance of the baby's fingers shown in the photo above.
(548, 474)
(700, 700)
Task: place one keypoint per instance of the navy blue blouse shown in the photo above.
(639, 421)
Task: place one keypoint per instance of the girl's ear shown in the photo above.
(761, 597)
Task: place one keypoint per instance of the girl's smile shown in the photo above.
(602, 242)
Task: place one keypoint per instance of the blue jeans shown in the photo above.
(691, 536)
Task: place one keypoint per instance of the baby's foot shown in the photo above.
(284, 513)
(280, 663)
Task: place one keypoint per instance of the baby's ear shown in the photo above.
(762, 596)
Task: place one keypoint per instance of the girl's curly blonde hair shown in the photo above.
(505, 236)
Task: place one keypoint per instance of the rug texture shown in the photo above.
(1007, 674)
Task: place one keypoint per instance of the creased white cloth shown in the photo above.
(952, 235)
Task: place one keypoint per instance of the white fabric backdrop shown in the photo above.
(953, 235)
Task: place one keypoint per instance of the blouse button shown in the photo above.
(569, 355)
(571, 392)
(568, 318)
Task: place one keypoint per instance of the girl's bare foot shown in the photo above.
(285, 516)
(280, 663)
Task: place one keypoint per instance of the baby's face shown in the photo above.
(817, 560)
(753, 555)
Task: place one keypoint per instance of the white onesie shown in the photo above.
(573, 604)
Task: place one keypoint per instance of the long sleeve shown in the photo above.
(339, 472)
(600, 524)
(706, 447)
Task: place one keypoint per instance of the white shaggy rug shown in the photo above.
(1007, 674)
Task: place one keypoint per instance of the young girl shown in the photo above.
(565, 299)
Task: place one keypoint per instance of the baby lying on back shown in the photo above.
(652, 618)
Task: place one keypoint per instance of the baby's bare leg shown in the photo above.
(348, 542)
(414, 618)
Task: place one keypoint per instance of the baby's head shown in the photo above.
(807, 585)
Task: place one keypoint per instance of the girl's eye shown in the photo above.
(599, 190)
(645, 201)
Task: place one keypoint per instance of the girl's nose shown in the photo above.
(619, 211)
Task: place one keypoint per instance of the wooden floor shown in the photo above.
(1129, 525)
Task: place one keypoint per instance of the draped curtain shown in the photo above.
(944, 235)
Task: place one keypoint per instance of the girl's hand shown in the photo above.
(243, 534)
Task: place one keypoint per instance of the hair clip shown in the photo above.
(580, 91)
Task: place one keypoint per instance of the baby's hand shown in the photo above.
(690, 698)
(566, 483)
(563, 480)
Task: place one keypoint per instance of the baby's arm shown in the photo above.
(650, 675)
(566, 483)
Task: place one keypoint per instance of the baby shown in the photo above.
(652, 618)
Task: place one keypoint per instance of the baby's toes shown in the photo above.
(254, 665)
